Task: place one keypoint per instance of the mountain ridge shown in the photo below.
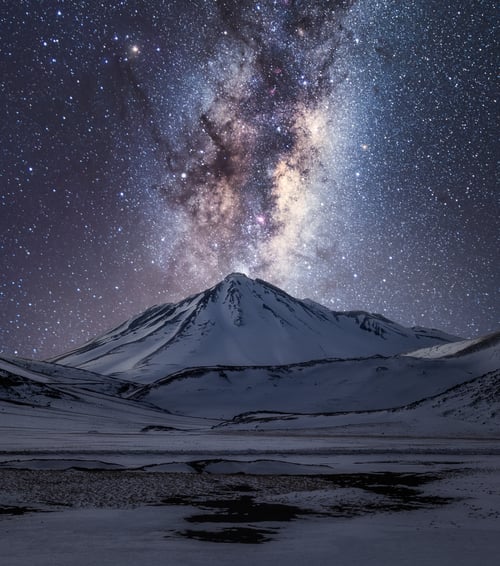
(241, 321)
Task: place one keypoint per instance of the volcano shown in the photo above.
(241, 322)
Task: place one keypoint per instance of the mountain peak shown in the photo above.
(236, 277)
(241, 321)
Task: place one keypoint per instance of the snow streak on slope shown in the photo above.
(460, 348)
(60, 376)
(241, 321)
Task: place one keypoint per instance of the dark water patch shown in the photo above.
(383, 483)
(401, 492)
(159, 428)
(239, 535)
(240, 488)
(379, 492)
(245, 510)
(16, 510)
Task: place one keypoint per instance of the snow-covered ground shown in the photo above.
(87, 486)
(372, 488)
(102, 480)
(362, 501)
(281, 454)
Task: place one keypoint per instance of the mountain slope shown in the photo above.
(462, 347)
(469, 410)
(316, 387)
(241, 321)
(322, 386)
(42, 397)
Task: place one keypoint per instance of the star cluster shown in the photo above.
(345, 150)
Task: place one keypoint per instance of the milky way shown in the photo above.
(343, 150)
(245, 190)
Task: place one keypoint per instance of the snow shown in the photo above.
(126, 537)
(126, 518)
(274, 451)
(241, 321)
(328, 386)
(462, 346)
(119, 510)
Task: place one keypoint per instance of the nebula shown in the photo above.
(345, 151)
(247, 188)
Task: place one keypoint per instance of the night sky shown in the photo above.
(345, 151)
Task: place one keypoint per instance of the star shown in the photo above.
(150, 152)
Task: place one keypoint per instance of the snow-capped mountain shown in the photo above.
(241, 321)
(246, 347)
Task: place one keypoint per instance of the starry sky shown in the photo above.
(345, 151)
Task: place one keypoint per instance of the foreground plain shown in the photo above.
(224, 497)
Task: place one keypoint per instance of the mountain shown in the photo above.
(322, 386)
(41, 397)
(477, 400)
(246, 351)
(241, 322)
(470, 409)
